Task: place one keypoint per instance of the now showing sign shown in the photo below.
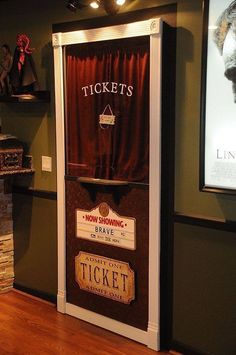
(105, 277)
(104, 225)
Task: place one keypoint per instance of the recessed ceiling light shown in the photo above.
(120, 2)
(95, 4)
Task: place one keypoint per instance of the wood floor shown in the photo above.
(29, 326)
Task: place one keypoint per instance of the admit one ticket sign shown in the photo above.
(105, 277)
(103, 225)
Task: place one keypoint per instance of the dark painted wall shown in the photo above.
(35, 243)
(205, 289)
(204, 316)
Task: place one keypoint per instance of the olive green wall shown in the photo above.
(205, 289)
(204, 314)
(204, 260)
(35, 241)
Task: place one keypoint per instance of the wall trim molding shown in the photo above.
(205, 222)
(50, 195)
(39, 294)
(136, 334)
(186, 350)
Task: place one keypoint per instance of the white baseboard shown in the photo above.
(61, 302)
(153, 337)
(149, 338)
(107, 323)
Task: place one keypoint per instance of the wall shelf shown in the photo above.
(23, 171)
(36, 96)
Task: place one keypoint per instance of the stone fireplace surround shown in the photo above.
(6, 239)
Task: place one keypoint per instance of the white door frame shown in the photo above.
(152, 28)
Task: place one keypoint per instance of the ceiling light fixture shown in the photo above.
(120, 2)
(72, 5)
(95, 4)
(110, 6)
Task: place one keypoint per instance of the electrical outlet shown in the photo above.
(46, 163)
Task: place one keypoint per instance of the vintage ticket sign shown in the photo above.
(104, 225)
(107, 119)
(105, 277)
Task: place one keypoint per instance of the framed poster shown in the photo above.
(218, 101)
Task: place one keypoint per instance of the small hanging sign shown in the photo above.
(105, 119)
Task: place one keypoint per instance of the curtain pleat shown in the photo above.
(119, 151)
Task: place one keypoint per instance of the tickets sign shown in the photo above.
(104, 225)
(105, 277)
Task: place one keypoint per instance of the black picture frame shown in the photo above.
(213, 160)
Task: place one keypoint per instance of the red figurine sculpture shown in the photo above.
(23, 77)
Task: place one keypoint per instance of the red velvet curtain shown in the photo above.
(114, 73)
